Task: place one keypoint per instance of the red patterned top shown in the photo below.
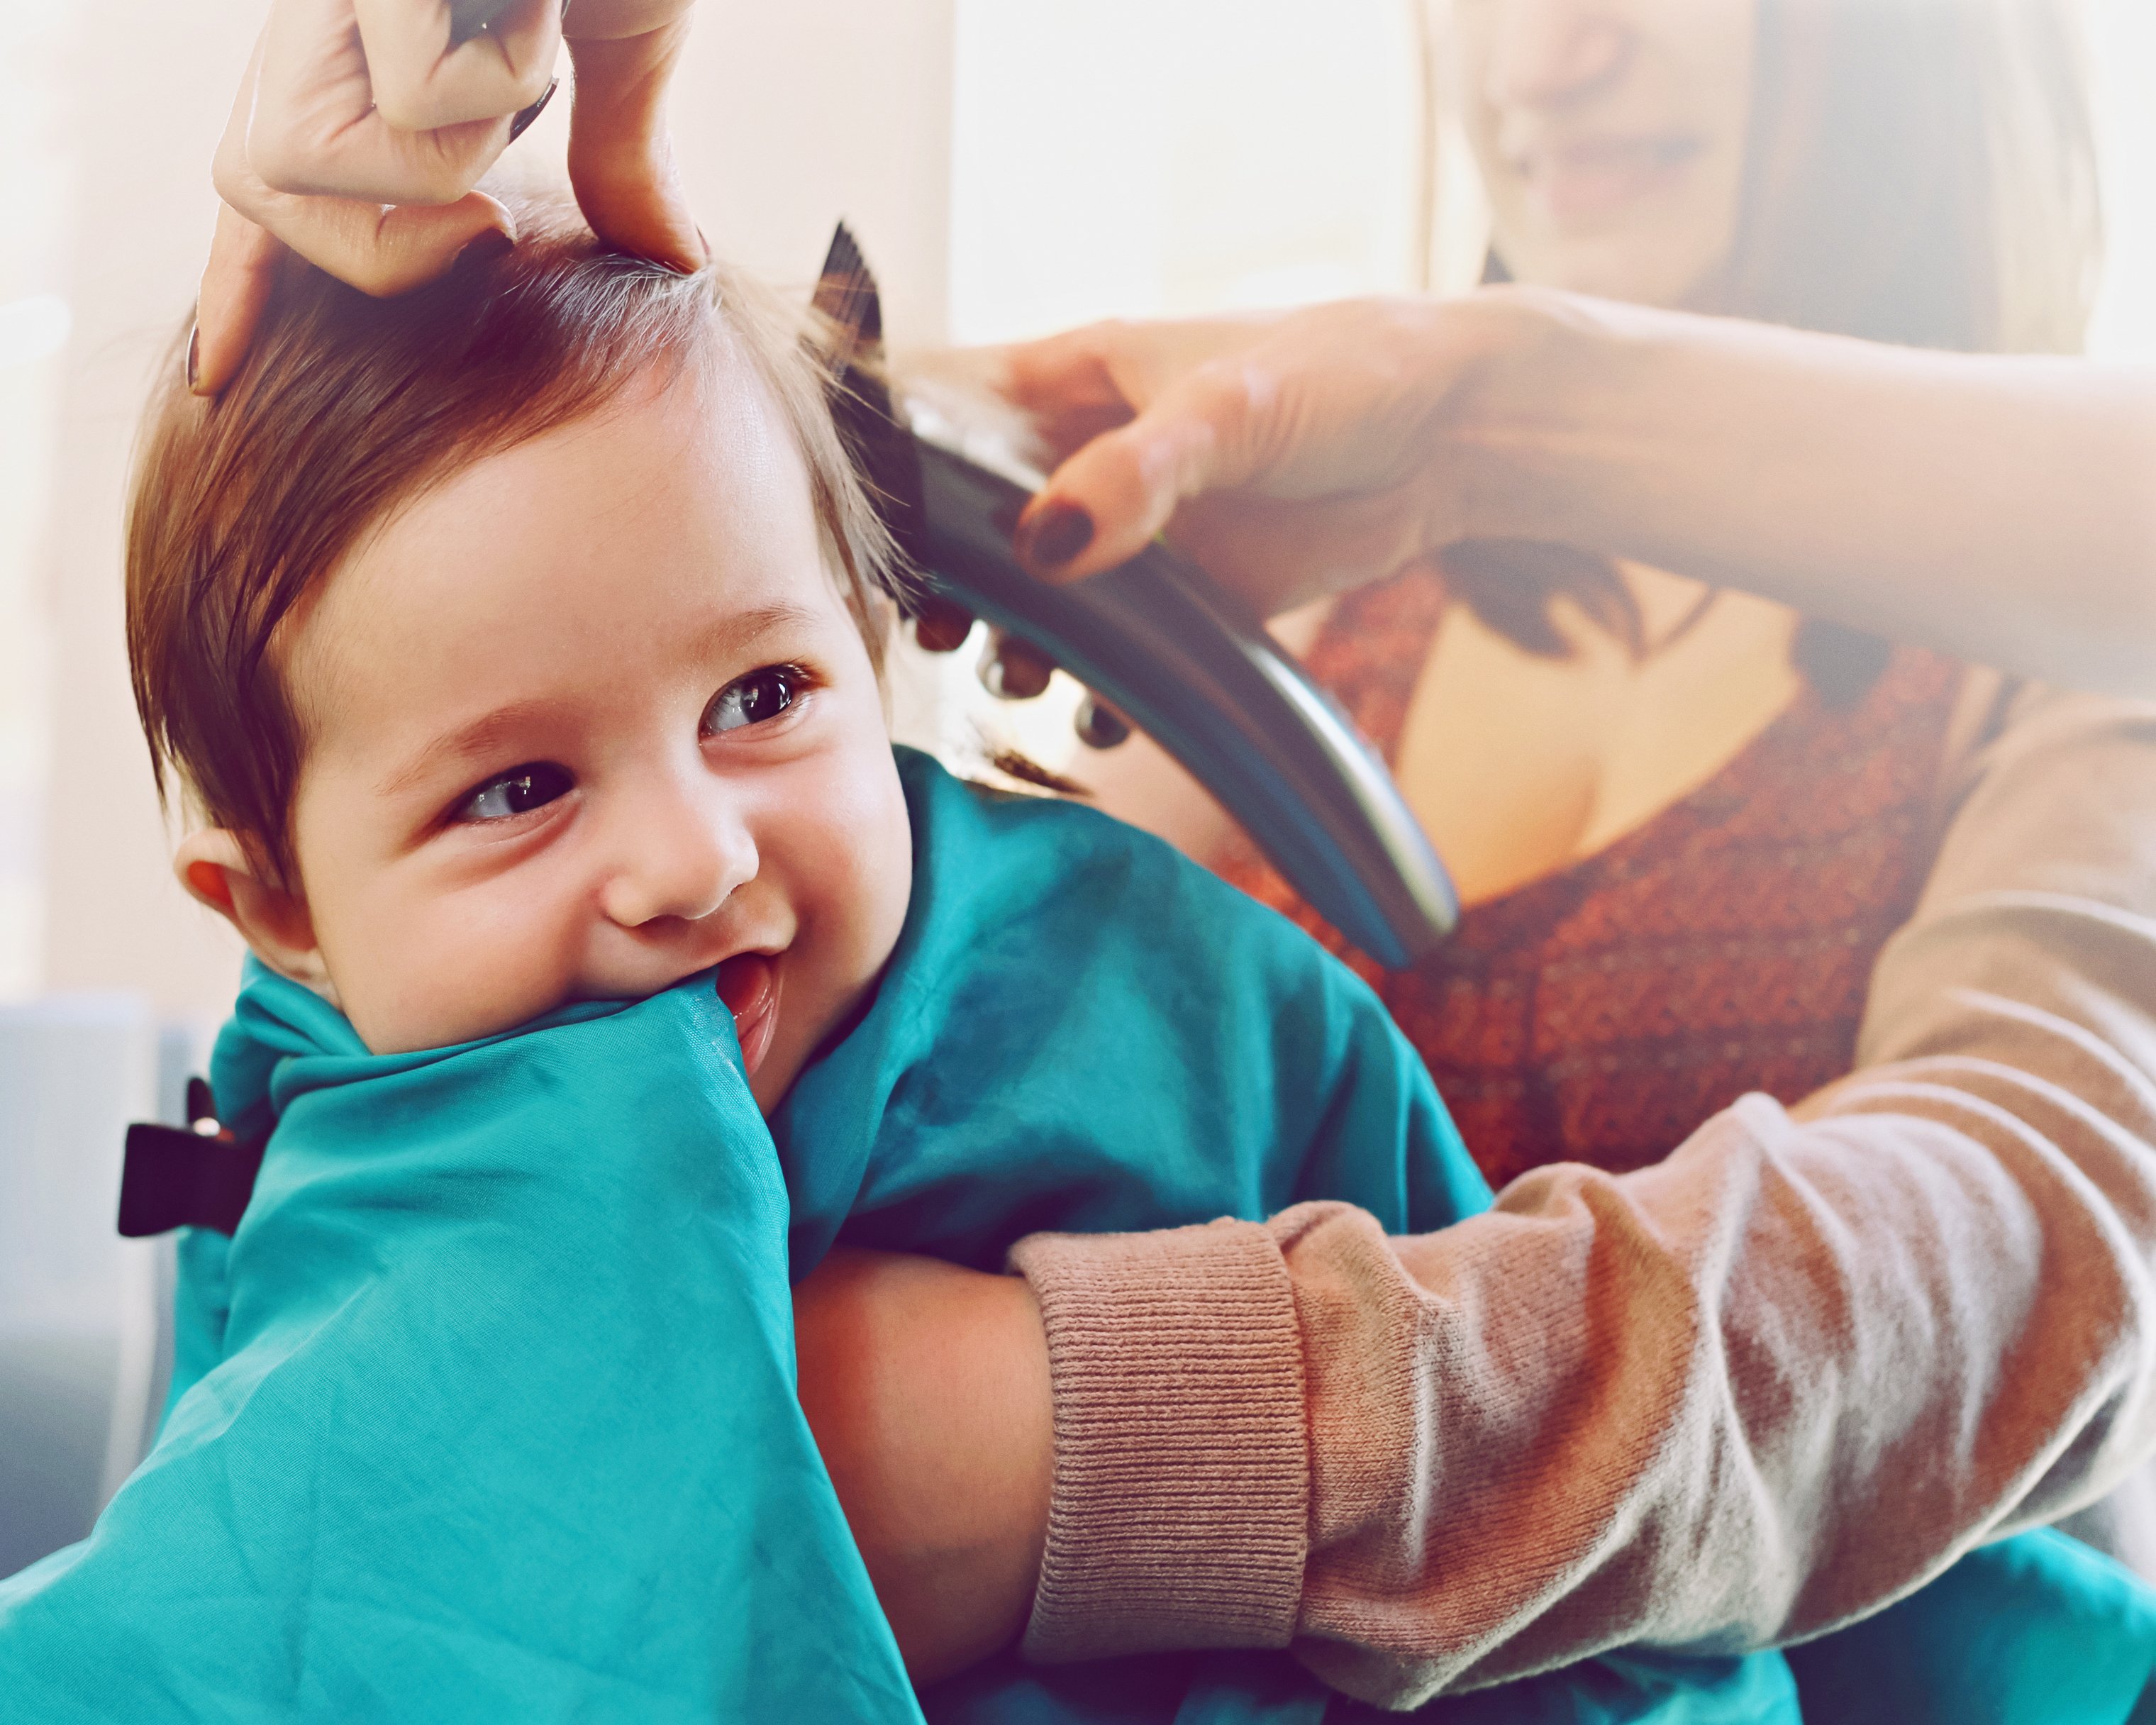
(1601, 1015)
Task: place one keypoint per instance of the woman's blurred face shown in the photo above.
(1612, 136)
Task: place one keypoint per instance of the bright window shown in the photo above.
(2123, 43)
(1150, 157)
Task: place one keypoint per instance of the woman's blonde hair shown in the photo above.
(1922, 173)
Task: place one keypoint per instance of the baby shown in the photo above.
(514, 647)
(590, 703)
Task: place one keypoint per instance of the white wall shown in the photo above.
(146, 88)
(791, 115)
(2123, 57)
(35, 322)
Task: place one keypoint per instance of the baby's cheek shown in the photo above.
(429, 975)
(847, 871)
(874, 847)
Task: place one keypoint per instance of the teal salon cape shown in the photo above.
(486, 1412)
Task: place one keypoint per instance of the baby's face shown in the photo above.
(589, 717)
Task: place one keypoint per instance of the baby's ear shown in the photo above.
(218, 869)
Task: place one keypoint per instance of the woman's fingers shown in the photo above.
(314, 126)
(621, 161)
(361, 127)
(381, 250)
(425, 78)
(1279, 553)
(378, 248)
(1084, 382)
(386, 250)
(1067, 386)
(1120, 490)
(244, 261)
(1297, 454)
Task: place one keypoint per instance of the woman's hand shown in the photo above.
(362, 126)
(1295, 456)
(927, 1387)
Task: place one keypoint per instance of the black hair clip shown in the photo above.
(196, 1176)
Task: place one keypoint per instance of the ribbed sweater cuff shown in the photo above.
(1181, 1504)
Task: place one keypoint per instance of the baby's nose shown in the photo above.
(684, 866)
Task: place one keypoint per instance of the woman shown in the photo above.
(1684, 836)
(1543, 709)
(1801, 1363)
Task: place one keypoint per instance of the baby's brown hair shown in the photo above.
(349, 407)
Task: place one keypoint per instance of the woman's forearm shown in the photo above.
(1765, 1386)
(2001, 508)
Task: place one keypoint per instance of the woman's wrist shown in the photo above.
(1182, 1486)
(1541, 441)
(1907, 492)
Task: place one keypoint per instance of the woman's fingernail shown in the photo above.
(1052, 534)
(1099, 726)
(1012, 670)
(685, 266)
(490, 243)
(194, 355)
(521, 123)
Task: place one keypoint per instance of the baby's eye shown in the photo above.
(760, 695)
(532, 786)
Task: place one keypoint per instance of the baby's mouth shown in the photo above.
(749, 984)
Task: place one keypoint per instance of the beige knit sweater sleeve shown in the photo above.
(1788, 1374)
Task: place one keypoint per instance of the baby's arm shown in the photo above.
(927, 1388)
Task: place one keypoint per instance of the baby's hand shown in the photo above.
(927, 1387)
(361, 127)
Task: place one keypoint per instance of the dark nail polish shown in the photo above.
(493, 243)
(1012, 670)
(1099, 726)
(194, 354)
(1052, 534)
(522, 121)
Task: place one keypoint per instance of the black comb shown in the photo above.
(1188, 664)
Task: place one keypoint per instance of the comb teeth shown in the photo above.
(844, 257)
(880, 448)
(846, 294)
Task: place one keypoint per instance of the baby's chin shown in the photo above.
(782, 1004)
(774, 1047)
(415, 1021)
